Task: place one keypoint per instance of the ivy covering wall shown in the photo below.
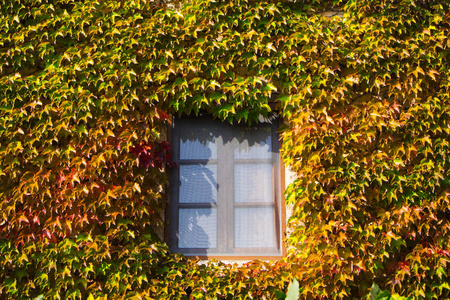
(87, 89)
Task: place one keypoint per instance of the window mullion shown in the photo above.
(230, 187)
(222, 193)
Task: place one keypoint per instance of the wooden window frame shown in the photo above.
(228, 205)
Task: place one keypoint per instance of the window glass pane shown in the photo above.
(253, 143)
(198, 183)
(253, 227)
(197, 228)
(199, 144)
(253, 183)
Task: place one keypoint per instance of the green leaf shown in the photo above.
(377, 294)
(293, 292)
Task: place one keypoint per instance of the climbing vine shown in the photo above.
(88, 88)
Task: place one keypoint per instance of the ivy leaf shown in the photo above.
(293, 290)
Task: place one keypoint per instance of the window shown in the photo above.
(225, 191)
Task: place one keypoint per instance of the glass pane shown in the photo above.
(197, 228)
(253, 183)
(253, 143)
(198, 183)
(198, 144)
(253, 227)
